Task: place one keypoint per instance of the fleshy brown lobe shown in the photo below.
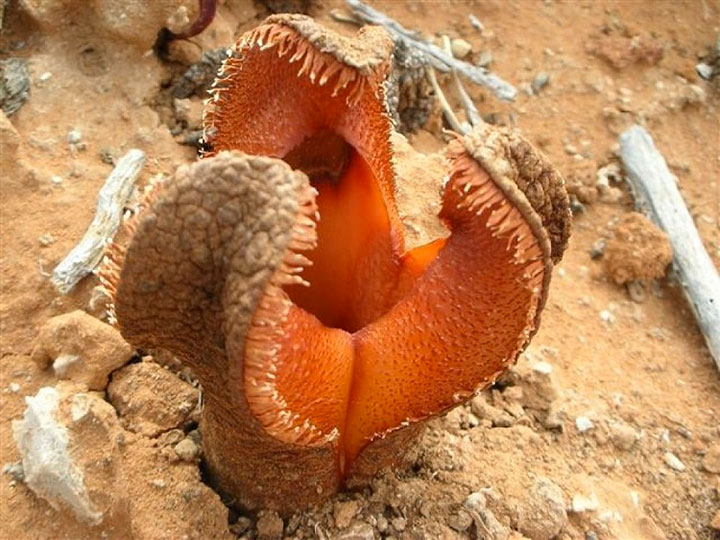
(217, 237)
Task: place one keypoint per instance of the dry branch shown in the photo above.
(472, 113)
(449, 114)
(86, 255)
(435, 56)
(655, 193)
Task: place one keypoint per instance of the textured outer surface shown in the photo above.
(198, 263)
(511, 160)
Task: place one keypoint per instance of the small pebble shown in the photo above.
(14, 387)
(269, 526)
(46, 239)
(485, 59)
(598, 248)
(344, 511)
(705, 71)
(14, 470)
(636, 291)
(158, 483)
(570, 149)
(107, 157)
(623, 436)
(74, 136)
(460, 48)
(475, 501)
(539, 82)
(62, 364)
(461, 521)
(607, 316)
(542, 367)
(398, 523)
(576, 206)
(46, 76)
(581, 504)
(476, 23)
(583, 424)
(543, 514)
(241, 526)
(672, 461)
(186, 449)
(56, 179)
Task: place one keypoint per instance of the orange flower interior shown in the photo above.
(358, 337)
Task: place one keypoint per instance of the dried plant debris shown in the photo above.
(199, 77)
(14, 84)
(409, 94)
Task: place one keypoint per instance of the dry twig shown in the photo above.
(86, 255)
(436, 57)
(472, 113)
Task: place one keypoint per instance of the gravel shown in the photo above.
(672, 461)
(583, 424)
(539, 82)
(187, 450)
(269, 526)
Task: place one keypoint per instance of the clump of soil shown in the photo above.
(638, 250)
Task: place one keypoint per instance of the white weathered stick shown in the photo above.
(656, 193)
(437, 57)
(471, 111)
(85, 256)
(444, 105)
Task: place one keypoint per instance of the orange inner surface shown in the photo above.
(380, 336)
(353, 239)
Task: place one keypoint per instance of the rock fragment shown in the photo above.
(622, 435)
(187, 450)
(460, 521)
(542, 515)
(672, 461)
(581, 503)
(15, 471)
(151, 399)
(539, 82)
(68, 444)
(583, 424)
(460, 48)
(241, 526)
(344, 512)
(81, 349)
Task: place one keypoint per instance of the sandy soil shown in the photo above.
(607, 428)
